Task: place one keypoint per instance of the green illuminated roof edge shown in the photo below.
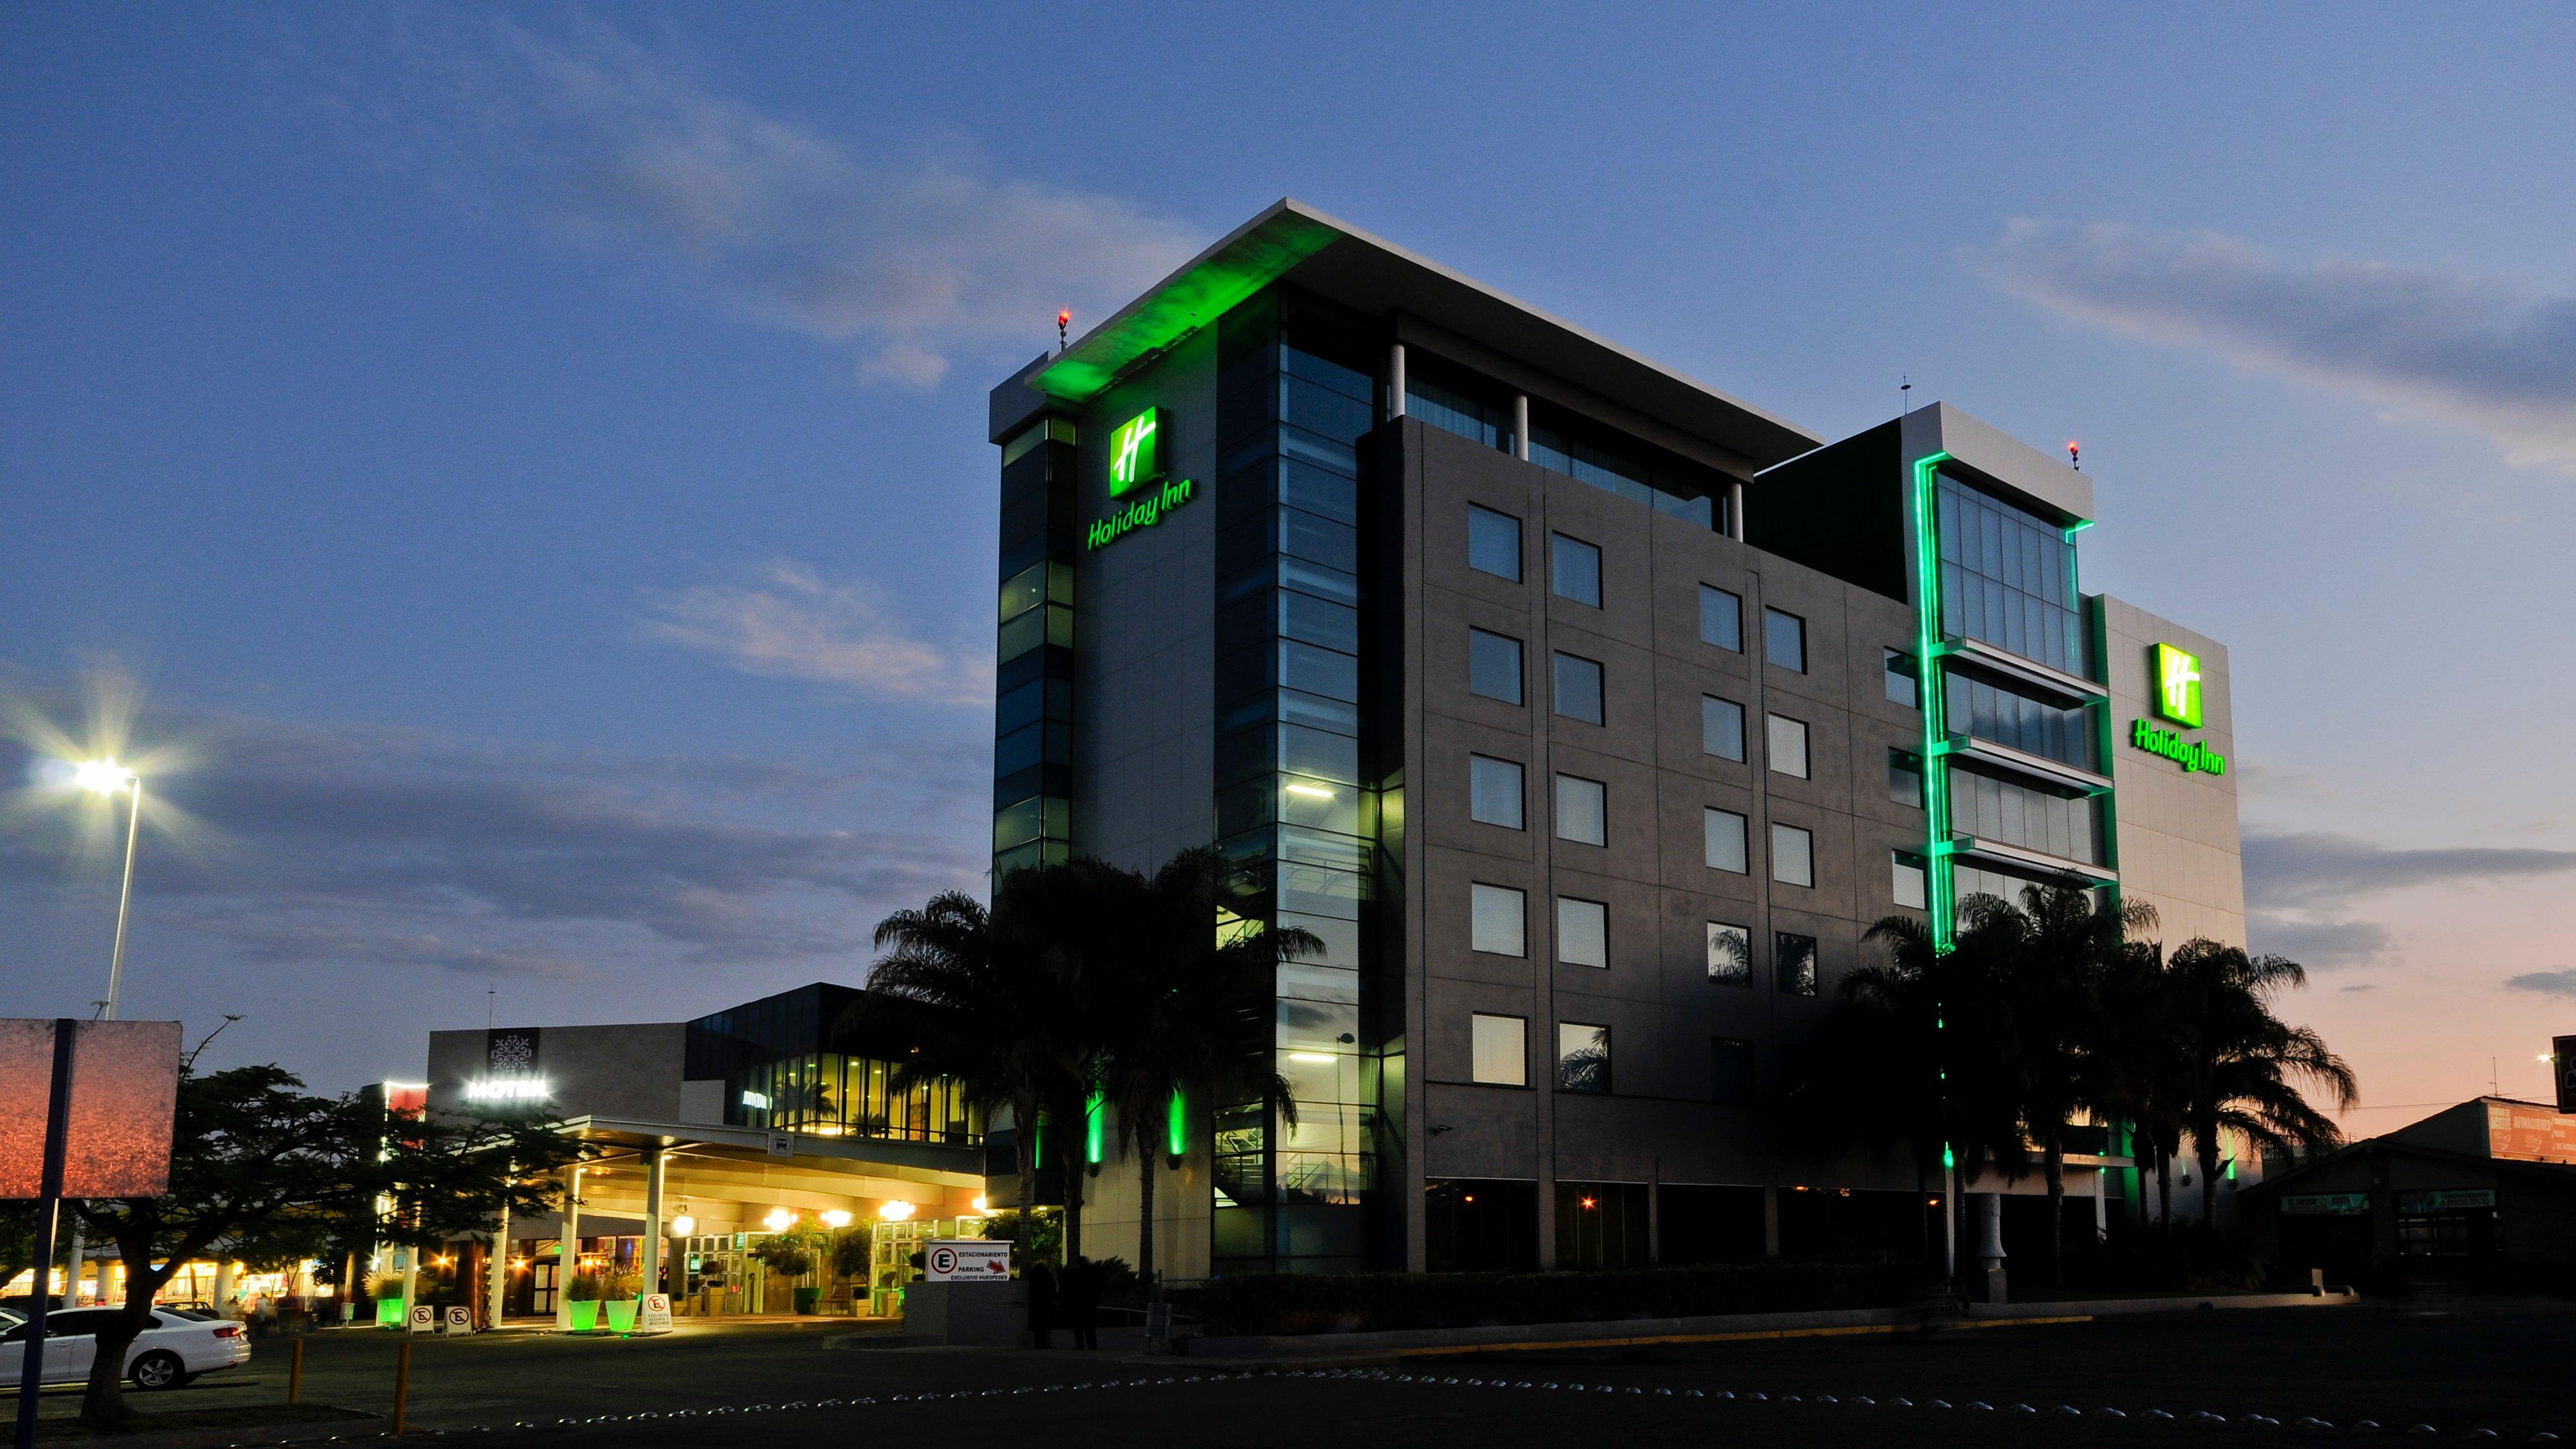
(1254, 255)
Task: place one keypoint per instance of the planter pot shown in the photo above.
(621, 1315)
(585, 1315)
(806, 1298)
(391, 1313)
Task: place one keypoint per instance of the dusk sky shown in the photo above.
(516, 477)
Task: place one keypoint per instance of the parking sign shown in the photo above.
(966, 1260)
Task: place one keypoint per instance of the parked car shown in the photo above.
(169, 1351)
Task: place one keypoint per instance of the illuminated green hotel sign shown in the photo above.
(2178, 686)
(1136, 463)
(2177, 698)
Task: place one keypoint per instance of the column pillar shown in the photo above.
(568, 1250)
(1735, 511)
(496, 1273)
(649, 1254)
(1395, 380)
(1520, 426)
(224, 1285)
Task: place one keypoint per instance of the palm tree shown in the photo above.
(2070, 946)
(1180, 1034)
(2239, 1068)
(995, 1001)
(1935, 1031)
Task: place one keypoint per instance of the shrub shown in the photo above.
(1291, 1303)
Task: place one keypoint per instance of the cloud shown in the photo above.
(2306, 870)
(614, 149)
(364, 844)
(2548, 983)
(793, 625)
(2320, 945)
(2482, 352)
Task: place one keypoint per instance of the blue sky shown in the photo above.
(527, 462)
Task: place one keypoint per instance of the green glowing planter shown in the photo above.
(621, 1315)
(585, 1315)
(391, 1313)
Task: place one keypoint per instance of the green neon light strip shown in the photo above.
(1095, 1115)
(1177, 1127)
(1191, 298)
(1939, 870)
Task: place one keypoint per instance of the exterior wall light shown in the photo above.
(684, 1226)
(895, 1210)
(837, 1218)
(779, 1220)
(979, 1203)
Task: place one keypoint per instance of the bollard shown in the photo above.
(295, 1372)
(402, 1383)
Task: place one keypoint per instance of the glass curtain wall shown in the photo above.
(1296, 806)
(1033, 708)
(830, 1095)
(2008, 578)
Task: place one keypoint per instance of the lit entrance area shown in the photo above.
(736, 1221)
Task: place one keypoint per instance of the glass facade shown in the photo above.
(1995, 711)
(786, 1061)
(1033, 684)
(2052, 821)
(2008, 578)
(1302, 805)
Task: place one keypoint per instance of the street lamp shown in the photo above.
(106, 777)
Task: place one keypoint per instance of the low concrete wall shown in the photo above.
(1643, 1332)
(990, 1315)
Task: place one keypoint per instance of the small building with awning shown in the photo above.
(2483, 1192)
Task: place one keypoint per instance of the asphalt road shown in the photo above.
(2509, 1370)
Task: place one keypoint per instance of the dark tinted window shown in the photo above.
(1784, 640)
(1494, 666)
(1493, 543)
(1793, 963)
(1578, 688)
(1575, 568)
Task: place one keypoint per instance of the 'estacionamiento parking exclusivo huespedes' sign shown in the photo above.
(966, 1260)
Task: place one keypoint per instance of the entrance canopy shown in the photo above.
(729, 1179)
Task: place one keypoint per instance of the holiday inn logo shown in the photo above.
(2178, 686)
(1136, 452)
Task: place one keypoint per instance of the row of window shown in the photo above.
(1574, 572)
(1498, 1056)
(1498, 926)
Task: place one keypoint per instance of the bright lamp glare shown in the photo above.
(836, 1218)
(895, 1211)
(779, 1220)
(104, 777)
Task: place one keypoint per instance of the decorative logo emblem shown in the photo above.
(1135, 452)
(513, 1053)
(2178, 686)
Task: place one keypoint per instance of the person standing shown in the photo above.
(1080, 1300)
(1039, 1285)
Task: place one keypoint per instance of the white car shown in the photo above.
(169, 1351)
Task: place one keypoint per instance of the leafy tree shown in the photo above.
(259, 1163)
(2237, 1067)
(1181, 985)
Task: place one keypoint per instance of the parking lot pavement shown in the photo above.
(2499, 1369)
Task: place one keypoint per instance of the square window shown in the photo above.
(1575, 568)
(1905, 778)
(1582, 932)
(1498, 927)
(1793, 855)
(1582, 810)
(1903, 686)
(1578, 688)
(1494, 791)
(1788, 746)
(1721, 727)
(1731, 1071)
(1793, 963)
(1907, 880)
(1493, 543)
(1494, 666)
(1500, 1045)
(1582, 1057)
(1784, 640)
(1722, 840)
(1721, 618)
(1730, 955)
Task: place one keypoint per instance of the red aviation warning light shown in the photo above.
(2075, 455)
(1063, 320)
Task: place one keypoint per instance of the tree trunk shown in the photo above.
(1024, 1148)
(1073, 1169)
(2052, 1159)
(2207, 1152)
(103, 1398)
(2164, 1190)
(1147, 1165)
